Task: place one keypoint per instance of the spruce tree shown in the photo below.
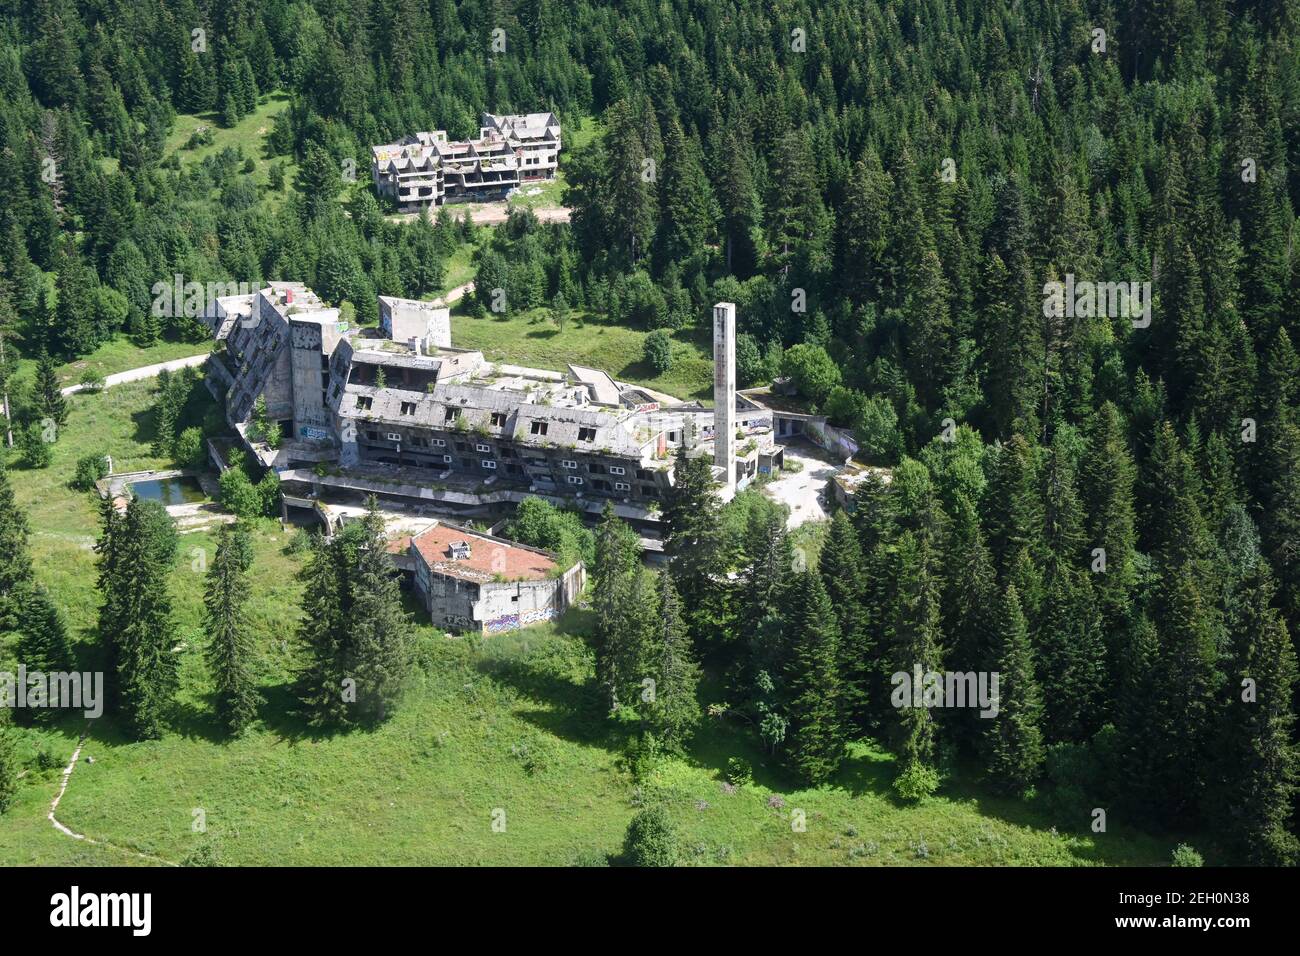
(135, 614)
(1254, 753)
(43, 643)
(320, 682)
(841, 569)
(815, 739)
(675, 711)
(229, 651)
(1013, 741)
(616, 570)
(690, 517)
(915, 644)
(15, 560)
(8, 761)
(971, 606)
(377, 627)
(48, 398)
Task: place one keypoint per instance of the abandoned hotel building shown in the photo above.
(399, 413)
(428, 169)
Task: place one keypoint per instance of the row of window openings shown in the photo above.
(441, 443)
(364, 403)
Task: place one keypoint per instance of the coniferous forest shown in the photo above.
(918, 207)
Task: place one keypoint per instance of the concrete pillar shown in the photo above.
(724, 392)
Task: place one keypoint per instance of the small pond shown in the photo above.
(169, 491)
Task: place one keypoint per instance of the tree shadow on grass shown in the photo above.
(542, 334)
(282, 714)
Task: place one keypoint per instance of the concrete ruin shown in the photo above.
(400, 413)
(470, 581)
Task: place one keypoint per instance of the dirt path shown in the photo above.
(489, 214)
(68, 831)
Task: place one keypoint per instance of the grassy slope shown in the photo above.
(249, 134)
(509, 723)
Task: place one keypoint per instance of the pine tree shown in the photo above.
(616, 570)
(43, 643)
(8, 761)
(1013, 740)
(690, 517)
(970, 610)
(15, 560)
(675, 711)
(815, 740)
(688, 207)
(377, 626)
(136, 551)
(229, 650)
(1255, 754)
(49, 401)
(916, 644)
(1011, 506)
(320, 682)
(841, 569)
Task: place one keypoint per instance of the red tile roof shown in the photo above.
(488, 558)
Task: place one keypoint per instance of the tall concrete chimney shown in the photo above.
(724, 392)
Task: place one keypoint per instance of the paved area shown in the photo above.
(144, 371)
(804, 491)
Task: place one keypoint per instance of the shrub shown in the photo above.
(90, 469)
(37, 451)
(812, 371)
(659, 351)
(268, 491)
(238, 496)
(92, 381)
(651, 839)
(1184, 855)
(190, 450)
(739, 771)
(916, 782)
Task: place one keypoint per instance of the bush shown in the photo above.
(92, 381)
(651, 839)
(812, 371)
(89, 470)
(190, 449)
(1184, 855)
(37, 451)
(877, 431)
(659, 351)
(739, 771)
(916, 782)
(238, 496)
(268, 491)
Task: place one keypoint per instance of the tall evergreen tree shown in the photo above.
(135, 620)
(815, 740)
(675, 711)
(49, 401)
(1013, 741)
(9, 767)
(1255, 756)
(43, 643)
(15, 560)
(841, 568)
(230, 645)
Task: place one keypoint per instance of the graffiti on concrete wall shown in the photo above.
(511, 622)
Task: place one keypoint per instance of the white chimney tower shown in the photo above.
(724, 393)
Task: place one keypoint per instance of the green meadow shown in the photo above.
(504, 729)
